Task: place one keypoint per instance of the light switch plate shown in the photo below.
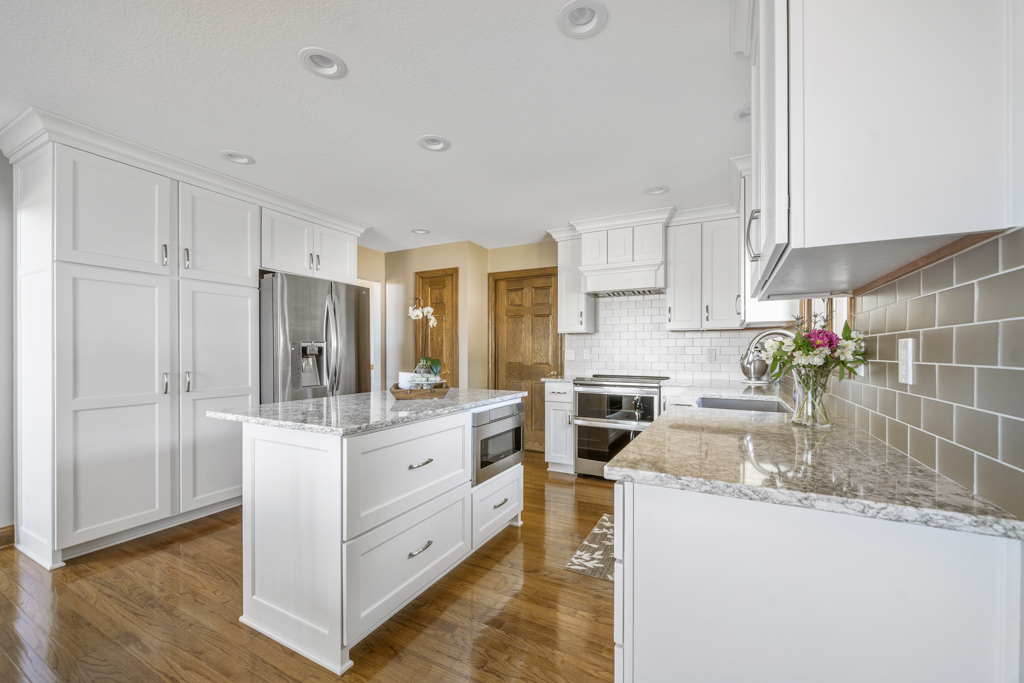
(586, 354)
(570, 354)
(905, 356)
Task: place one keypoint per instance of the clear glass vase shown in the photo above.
(812, 399)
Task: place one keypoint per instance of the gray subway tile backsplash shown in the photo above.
(964, 414)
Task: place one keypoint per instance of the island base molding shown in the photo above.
(702, 578)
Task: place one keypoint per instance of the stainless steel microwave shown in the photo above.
(497, 440)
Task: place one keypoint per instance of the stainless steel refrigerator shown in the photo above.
(314, 338)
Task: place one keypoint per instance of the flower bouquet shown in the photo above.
(812, 355)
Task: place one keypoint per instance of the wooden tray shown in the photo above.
(406, 394)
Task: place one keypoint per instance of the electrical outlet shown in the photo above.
(905, 358)
(712, 354)
(570, 354)
(586, 354)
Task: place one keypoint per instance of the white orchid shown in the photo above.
(428, 311)
(433, 321)
(415, 313)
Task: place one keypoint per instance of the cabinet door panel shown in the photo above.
(219, 329)
(110, 214)
(620, 245)
(559, 433)
(595, 248)
(113, 418)
(219, 237)
(683, 277)
(570, 295)
(336, 256)
(287, 244)
(649, 242)
(720, 269)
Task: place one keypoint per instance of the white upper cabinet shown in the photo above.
(111, 214)
(683, 278)
(859, 169)
(577, 311)
(649, 242)
(219, 237)
(219, 329)
(287, 243)
(721, 281)
(335, 255)
(594, 248)
(114, 388)
(620, 245)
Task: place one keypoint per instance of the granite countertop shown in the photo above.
(357, 413)
(761, 456)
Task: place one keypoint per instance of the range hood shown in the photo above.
(624, 255)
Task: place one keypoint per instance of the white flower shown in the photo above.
(428, 311)
(846, 349)
(857, 336)
(433, 321)
(415, 313)
(788, 346)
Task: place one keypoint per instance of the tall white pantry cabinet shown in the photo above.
(136, 312)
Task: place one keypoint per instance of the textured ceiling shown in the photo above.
(544, 129)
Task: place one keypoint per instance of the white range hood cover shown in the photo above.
(633, 278)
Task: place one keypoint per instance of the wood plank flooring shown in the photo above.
(165, 608)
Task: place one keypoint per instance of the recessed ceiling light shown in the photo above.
(742, 114)
(237, 157)
(657, 189)
(582, 18)
(420, 231)
(433, 143)
(322, 63)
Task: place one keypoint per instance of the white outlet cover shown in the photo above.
(905, 357)
(570, 354)
(586, 354)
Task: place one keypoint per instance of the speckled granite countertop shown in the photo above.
(356, 413)
(761, 456)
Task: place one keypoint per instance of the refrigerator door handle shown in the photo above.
(331, 352)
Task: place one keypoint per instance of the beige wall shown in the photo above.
(477, 320)
(537, 255)
(370, 265)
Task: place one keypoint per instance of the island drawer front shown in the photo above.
(391, 565)
(389, 472)
(558, 392)
(495, 503)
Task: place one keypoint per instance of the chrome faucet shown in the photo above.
(751, 363)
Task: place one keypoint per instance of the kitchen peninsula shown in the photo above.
(751, 549)
(354, 505)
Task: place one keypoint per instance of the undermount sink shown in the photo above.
(750, 405)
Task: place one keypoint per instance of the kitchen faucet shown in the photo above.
(751, 363)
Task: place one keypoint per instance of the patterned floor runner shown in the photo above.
(594, 557)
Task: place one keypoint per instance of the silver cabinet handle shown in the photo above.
(707, 312)
(188, 382)
(670, 314)
(318, 261)
(188, 259)
(754, 215)
(737, 304)
(311, 260)
(581, 317)
(167, 382)
(165, 255)
(500, 504)
(425, 462)
(557, 392)
(412, 555)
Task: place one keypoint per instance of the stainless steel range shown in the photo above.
(609, 411)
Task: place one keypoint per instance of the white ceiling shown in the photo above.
(544, 129)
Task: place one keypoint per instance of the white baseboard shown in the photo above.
(559, 467)
(339, 667)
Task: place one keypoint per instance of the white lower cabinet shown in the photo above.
(219, 331)
(558, 432)
(495, 502)
(113, 401)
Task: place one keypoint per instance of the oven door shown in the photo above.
(621, 404)
(497, 446)
(598, 441)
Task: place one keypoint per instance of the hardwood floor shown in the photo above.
(166, 607)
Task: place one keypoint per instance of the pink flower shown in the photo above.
(823, 339)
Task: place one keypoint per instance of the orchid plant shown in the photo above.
(812, 356)
(426, 365)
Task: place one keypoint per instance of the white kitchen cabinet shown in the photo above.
(683, 277)
(288, 244)
(853, 181)
(721, 280)
(577, 311)
(594, 248)
(219, 329)
(494, 501)
(649, 242)
(113, 401)
(559, 446)
(219, 237)
(110, 214)
(620, 245)
(335, 255)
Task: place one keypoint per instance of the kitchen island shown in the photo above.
(749, 549)
(354, 505)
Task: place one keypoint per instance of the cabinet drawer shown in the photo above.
(392, 564)
(495, 503)
(559, 392)
(390, 472)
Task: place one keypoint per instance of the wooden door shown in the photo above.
(111, 214)
(219, 237)
(335, 255)
(113, 409)
(526, 342)
(287, 244)
(219, 328)
(440, 290)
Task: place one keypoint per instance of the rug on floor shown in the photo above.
(594, 557)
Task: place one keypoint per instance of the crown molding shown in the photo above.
(35, 128)
(704, 213)
(562, 234)
(625, 220)
(741, 163)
